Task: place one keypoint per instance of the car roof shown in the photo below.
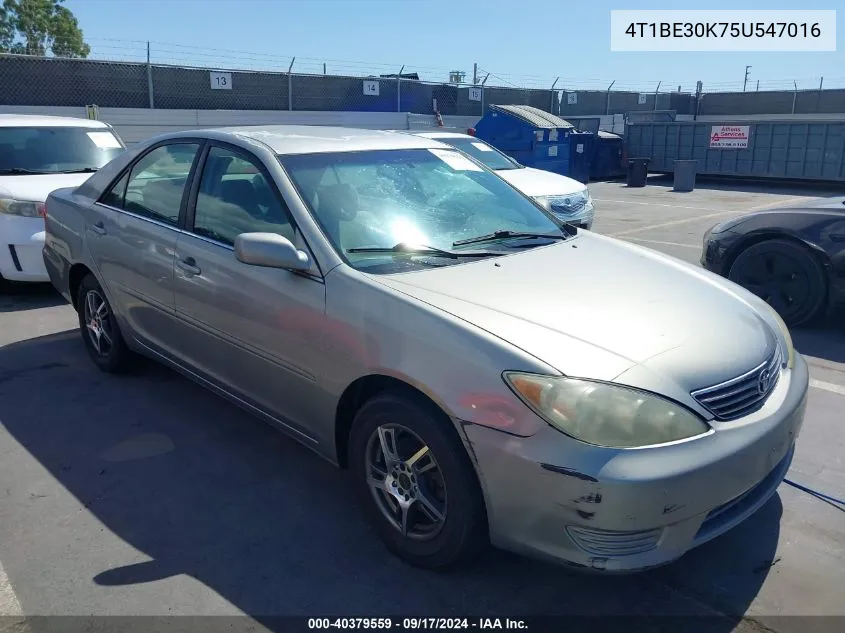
(310, 139)
(34, 120)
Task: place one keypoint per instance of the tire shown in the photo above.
(786, 275)
(108, 351)
(450, 486)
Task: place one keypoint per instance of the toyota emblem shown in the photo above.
(764, 381)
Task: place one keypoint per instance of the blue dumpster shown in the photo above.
(581, 148)
(607, 157)
(532, 137)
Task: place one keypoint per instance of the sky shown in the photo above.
(528, 43)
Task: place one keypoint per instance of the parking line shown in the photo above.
(640, 229)
(9, 605)
(654, 204)
(762, 207)
(781, 203)
(642, 239)
(827, 386)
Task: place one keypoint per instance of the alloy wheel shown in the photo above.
(406, 481)
(98, 323)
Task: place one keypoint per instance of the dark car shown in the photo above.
(794, 259)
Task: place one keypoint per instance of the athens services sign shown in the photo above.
(729, 136)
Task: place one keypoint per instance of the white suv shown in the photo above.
(39, 154)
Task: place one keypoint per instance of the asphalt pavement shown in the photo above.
(146, 495)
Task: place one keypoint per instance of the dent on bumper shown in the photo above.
(625, 510)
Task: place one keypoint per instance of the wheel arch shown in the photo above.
(76, 274)
(366, 387)
(777, 234)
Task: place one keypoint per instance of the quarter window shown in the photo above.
(156, 184)
(235, 197)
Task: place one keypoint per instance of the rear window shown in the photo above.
(52, 150)
(481, 151)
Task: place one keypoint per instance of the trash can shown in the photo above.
(685, 175)
(637, 171)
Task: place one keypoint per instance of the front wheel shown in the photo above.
(785, 275)
(414, 479)
(100, 331)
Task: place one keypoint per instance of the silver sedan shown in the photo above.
(404, 312)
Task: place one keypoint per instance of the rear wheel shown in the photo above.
(785, 275)
(100, 331)
(416, 484)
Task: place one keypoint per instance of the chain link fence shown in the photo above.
(49, 81)
(46, 81)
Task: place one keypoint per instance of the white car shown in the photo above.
(568, 199)
(39, 154)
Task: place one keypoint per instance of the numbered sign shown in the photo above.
(571, 98)
(641, 99)
(371, 87)
(220, 81)
(475, 94)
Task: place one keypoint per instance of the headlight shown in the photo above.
(605, 414)
(789, 352)
(568, 204)
(22, 208)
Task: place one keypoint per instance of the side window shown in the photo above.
(234, 197)
(114, 197)
(155, 186)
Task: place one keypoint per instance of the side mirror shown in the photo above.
(270, 250)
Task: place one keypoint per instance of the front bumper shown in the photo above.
(715, 249)
(21, 245)
(625, 510)
(583, 218)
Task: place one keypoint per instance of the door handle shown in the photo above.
(98, 228)
(189, 266)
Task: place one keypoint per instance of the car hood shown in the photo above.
(536, 182)
(594, 307)
(36, 188)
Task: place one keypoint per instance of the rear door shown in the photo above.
(254, 331)
(132, 240)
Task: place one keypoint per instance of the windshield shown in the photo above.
(53, 150)
(419, 197)
(482, 152)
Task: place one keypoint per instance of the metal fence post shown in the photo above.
(656, 92)
(399, 89)
(794, 95)
(482, 93)
(607, 104)
(290, 85)
(552, 99)
(150, 79)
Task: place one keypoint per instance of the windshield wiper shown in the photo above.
(422, 249)
(19, 171)
(84, 170)
(502, 235)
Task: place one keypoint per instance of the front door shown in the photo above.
(254, 331)
(132, 237)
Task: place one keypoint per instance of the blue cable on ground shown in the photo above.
(815, 493)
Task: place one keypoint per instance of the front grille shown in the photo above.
(607, 543)
(742, 395)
